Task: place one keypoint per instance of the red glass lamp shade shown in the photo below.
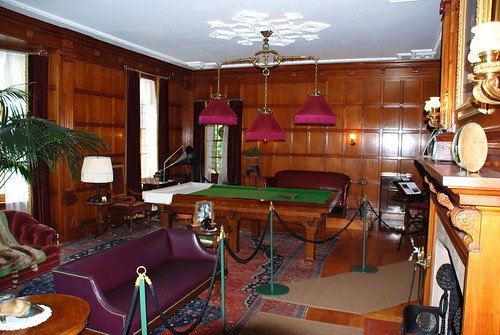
(315, 111)
(218, 112)
(265, 127)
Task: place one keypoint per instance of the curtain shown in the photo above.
(13, 72)
(38, 74)
(199, 130)
(209, 148)
(149, 137)
(133, 163)
(234, 145)
(163, 124)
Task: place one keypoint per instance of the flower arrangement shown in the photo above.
(252, 152)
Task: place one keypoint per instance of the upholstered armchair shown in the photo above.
(125, 201)
(29, 232)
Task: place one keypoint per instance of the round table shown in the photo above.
(100, 217)
(214, 234)
(70, 315)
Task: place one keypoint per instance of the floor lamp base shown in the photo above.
(364, 268)
(273, 289)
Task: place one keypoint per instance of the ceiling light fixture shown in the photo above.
(218, 110)
(265, 126)
(246, 25)
(315, 110)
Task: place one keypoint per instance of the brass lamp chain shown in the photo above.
(265, 72)
(218, 77)
(316, 75)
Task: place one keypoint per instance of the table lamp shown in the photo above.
(97, 170)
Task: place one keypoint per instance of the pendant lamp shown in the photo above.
(218, 110)
(315, 110)
(265, 126)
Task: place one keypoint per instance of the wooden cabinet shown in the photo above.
(469, 227)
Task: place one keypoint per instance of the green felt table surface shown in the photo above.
(267, 193)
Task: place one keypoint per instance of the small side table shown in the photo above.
(100, 217)
(70, 315)
(252, 169)
(214, 234)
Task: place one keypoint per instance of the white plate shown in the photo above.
(470, 147)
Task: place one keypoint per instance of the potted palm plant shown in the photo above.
(27, 141)
(252, 156)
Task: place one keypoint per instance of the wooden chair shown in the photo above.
(125, 201)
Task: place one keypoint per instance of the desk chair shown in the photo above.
(416, 213)
(125, 200)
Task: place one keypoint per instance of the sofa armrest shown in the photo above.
(37, 235)
(269, 181)
(84, 286)
(185, 244)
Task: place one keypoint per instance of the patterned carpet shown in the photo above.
(242, 302)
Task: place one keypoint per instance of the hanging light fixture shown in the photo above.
(265, 126)
(218, 110)
(315, 110)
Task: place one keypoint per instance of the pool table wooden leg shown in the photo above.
(311, 231)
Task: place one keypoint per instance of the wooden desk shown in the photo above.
(236, 203)
(69, 315)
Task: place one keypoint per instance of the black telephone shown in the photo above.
(409, 187)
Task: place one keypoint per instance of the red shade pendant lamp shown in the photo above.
(315, 110)
(265, 127)
(218, 110)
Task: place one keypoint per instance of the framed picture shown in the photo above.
(470, 14)
(203, 210)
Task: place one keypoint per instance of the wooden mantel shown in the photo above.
(468, 206)
(469, 189)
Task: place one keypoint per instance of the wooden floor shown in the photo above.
(381, 249)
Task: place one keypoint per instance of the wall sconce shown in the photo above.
(432, 110)
(484, 57)
(352, 137)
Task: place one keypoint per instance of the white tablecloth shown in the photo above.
(164, 195)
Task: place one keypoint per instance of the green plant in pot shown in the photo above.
(26, 141)
(252, 156)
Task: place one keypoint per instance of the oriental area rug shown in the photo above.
(242, 302)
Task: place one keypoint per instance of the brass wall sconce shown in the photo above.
(431, 108)
(484, 57)
(352, 137)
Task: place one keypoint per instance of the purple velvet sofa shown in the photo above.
(28, 231)
(316, 180)
(179, 267)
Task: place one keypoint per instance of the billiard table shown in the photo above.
(308, 208)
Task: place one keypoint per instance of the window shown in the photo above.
(13, 72)
(149, 128)
(216, 153)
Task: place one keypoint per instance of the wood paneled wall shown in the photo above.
(87, 91)
(381, 103)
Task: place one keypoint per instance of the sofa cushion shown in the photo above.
(117, 265)
(172, 281)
